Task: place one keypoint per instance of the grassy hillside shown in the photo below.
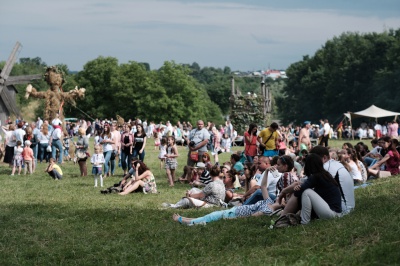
(47, 222)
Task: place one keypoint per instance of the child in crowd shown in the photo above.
(226, 143)
(27, 155)
(66, 141)
(170, 160)
(97, 160)
(54, 170)
(18, 160)
(156, 140)
(163, 151)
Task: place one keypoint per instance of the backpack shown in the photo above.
(287, 220)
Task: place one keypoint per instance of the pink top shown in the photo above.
(392, 130)
(27, 154)
(392, 164)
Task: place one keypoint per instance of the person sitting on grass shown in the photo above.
(119, 187)
(391, 161)
(320, 193)
(212, 195)
(54, 170)
(203, 175)
(263, 207)
(143, 178)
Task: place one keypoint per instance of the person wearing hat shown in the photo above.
(27, 154)
(213, 194)
(304, 137)
(204, 175)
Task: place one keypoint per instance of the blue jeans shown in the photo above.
(35, 153)
(56, 144)
(141, 155)
(107, 158)
(215, 216)
(124, 163)
(369, 161)
(249, 158)
(43, 152)
(257, 196)
(54, 174)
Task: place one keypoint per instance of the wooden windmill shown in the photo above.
(7, 89)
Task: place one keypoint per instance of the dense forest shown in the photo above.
(348, 73)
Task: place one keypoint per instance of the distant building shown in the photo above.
(274, 74)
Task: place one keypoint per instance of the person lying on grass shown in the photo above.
(263, 207)
(212, 194)
(143, 178)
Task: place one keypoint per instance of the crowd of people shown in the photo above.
(290, 170)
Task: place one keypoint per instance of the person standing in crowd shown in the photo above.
(304, 138)
(116, 146)
(27, 155)
(170, 160)
(392, 131)
(268, 140)
(81, 147)
(9, 143)
(107, 139)
(18, 160)
(126, 150)
(97, 161)
(250, 141)
(140, 142)
(197, 143)
(326, 131)
(55, 141)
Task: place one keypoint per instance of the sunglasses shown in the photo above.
(245, 168)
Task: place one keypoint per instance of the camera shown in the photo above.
(192, 144)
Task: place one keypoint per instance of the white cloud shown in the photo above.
(212, 34)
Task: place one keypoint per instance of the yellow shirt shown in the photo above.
(265, 134)
(58, 169)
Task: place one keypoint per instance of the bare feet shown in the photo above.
(177, 218)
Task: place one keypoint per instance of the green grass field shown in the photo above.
(68, 222)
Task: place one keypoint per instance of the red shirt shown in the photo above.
(251, 148)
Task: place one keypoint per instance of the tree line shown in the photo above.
(348, 73)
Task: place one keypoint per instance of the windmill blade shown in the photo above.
(10, 62)
(22, 79)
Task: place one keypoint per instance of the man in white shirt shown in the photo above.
(55, 142)
(325, 137)
(255, 191)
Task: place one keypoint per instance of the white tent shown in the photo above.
(372, 111)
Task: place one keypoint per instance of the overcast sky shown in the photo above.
(244, 35)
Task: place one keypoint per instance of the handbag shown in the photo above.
(48, 149)
(81, 155)
(194, 156)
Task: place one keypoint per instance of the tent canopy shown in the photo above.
(371, 111)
